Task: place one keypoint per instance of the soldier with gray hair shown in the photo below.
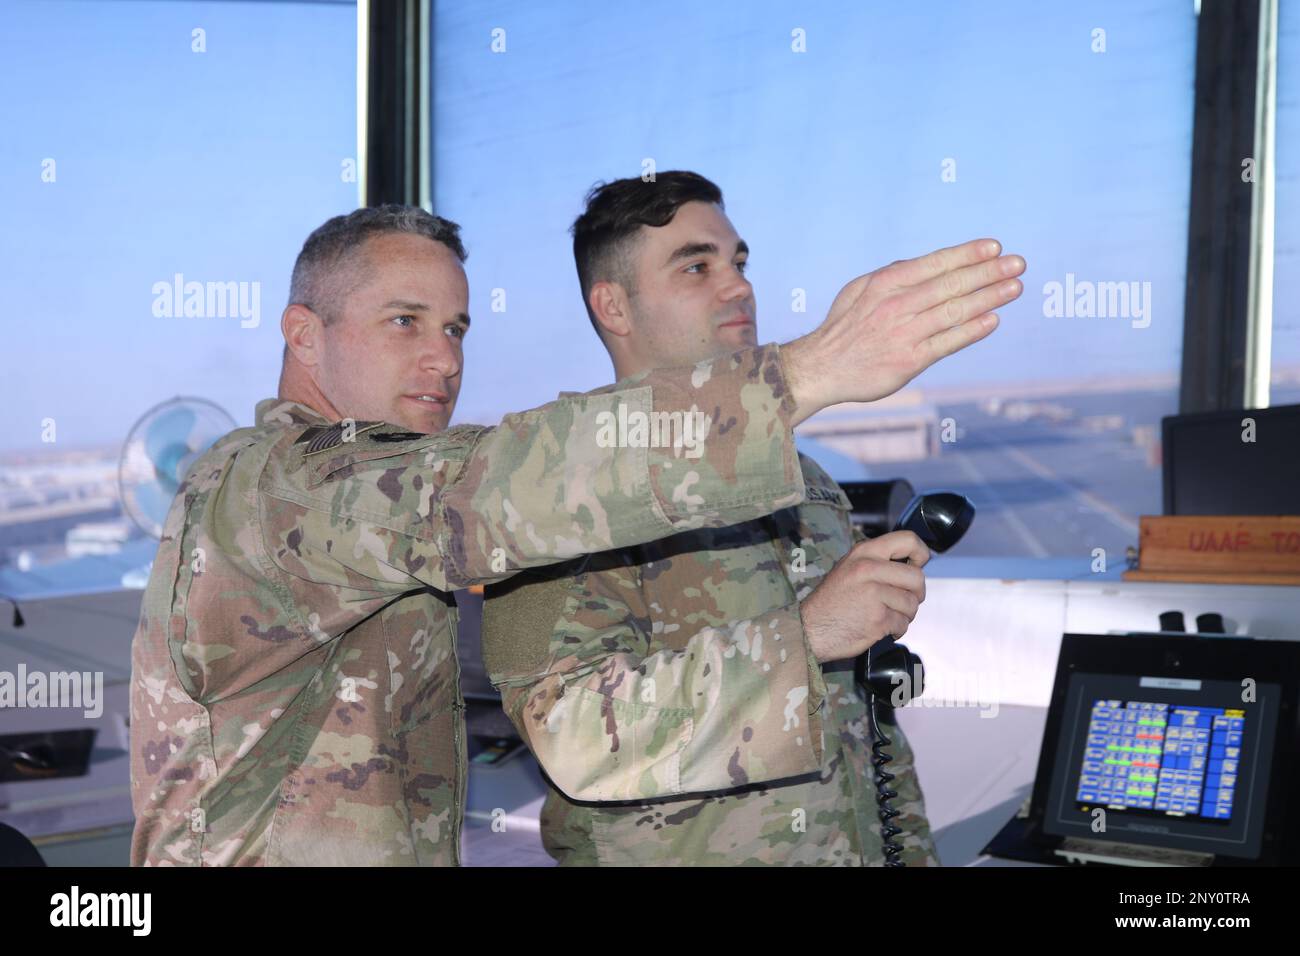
(294, 686)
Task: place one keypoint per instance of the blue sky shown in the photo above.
(830, 160)
(216, 165)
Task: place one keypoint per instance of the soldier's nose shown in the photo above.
(443, 361)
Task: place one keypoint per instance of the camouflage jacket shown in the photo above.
(651, 675)
(294, 687)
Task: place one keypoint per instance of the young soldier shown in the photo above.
(692, 700)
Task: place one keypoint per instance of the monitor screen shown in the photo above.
(1163, 761)
(1160, 759)
(1240, 462)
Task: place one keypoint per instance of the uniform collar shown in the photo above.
(286, 412)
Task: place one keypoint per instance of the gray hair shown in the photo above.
(320, 274)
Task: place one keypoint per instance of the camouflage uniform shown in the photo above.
(294, 688)
(677, 668)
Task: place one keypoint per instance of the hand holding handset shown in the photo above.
(939, 519)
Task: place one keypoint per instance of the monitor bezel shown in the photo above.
(1191, 655)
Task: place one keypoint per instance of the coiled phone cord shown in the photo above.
(883, 792)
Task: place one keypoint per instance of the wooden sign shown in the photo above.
(1227, 549)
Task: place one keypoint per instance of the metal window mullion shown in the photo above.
(424, 195)
(363, 95)
(1259, 311)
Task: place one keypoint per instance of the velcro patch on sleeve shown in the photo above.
(322, 438)
(332, 451)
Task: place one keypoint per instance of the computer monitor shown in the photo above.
(1209, 469)
(1182, 742)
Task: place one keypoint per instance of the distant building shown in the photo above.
(900, 428)
(104, 537)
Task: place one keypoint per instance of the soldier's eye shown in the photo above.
(398, 320)
(742, 265)
(696, 265)
(459, 330)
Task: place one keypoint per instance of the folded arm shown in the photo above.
(609, 719)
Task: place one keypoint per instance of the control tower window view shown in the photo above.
(447, 433)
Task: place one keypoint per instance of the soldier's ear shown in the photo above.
(610, 305)
(302, 330)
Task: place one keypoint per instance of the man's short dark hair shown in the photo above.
(606, 232)
(323, 274)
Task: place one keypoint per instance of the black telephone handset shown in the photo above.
(939, 519)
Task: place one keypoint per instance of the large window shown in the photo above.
(148, 145)
(1285, 377)
(844, 136)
